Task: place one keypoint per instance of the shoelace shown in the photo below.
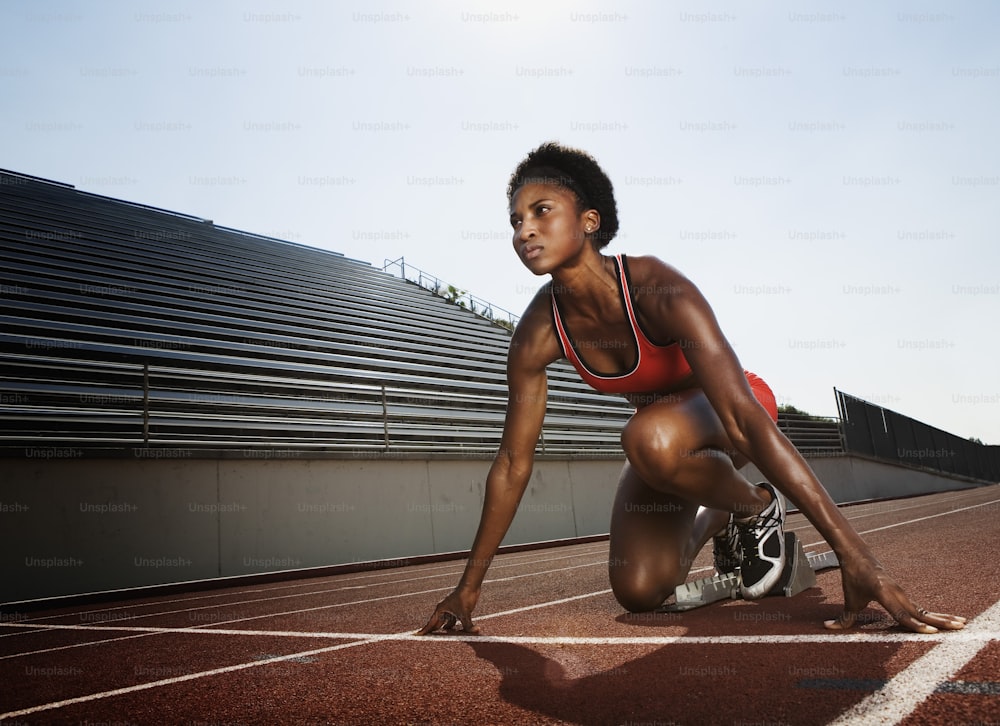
(732, 540)
(749, 532)
(726, 547)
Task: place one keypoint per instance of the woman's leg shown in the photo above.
(654, 539)
(679, 446)
(676, 491)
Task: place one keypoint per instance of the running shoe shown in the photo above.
(762, 547)
(726, 549)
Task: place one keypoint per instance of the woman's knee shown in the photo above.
(648, 439)
(638, 593)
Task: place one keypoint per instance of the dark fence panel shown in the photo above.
(875, 431)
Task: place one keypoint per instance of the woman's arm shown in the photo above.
(687, 317)
(532, 348)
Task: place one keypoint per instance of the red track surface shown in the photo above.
(556, 647)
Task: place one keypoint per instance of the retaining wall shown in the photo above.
(87, 525)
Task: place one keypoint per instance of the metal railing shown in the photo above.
(462, 298)
(54, 403)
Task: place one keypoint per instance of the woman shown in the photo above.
(636, 326)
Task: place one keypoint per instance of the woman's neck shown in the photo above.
(586, 285)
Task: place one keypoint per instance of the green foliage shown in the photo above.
(452, 295)
(793, 411)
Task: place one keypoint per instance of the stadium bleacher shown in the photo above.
(133, 337)
(125, 326)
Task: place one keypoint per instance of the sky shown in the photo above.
(828, 173)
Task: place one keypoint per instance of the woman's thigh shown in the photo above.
(683, 426)
(679, 433)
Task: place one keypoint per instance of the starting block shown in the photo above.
(799, 574)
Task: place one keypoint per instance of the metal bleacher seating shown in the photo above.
(130, 330)
(127, 328)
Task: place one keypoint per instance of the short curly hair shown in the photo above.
(576, 171)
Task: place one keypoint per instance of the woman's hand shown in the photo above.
(457, 606)
(864, 579)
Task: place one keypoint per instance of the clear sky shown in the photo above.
(827, 172)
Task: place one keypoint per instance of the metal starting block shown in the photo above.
(799, 574)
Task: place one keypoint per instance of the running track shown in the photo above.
(556, 648)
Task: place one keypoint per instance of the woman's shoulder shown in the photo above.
(538, 313)
(649, 274)
(541, 300)
(535, 334)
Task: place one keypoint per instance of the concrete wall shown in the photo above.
(86, 525)
(858, 479)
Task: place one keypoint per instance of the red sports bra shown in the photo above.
(657, 367)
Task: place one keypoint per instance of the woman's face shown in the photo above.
(548, 227)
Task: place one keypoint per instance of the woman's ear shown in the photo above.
(591, 221)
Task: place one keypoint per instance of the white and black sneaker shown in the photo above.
(762, 547)
(726, 549)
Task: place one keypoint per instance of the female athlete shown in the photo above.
(638, 327)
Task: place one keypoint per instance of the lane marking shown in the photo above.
(851, 512)
(540, 605)
(545, 604)
(905, 691)
(516, 577)
(931, 516)
(981, 635)
(912, 521)
(136, 606)
(323, 592)
(55, 648)
(963, 637)
(988, 631)
(38, 627)
(178, 679)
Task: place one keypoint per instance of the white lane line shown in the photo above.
(226, 622)
(455, 571)
(905, 691)
(36, 627)
(55, 648)
(931, 516)
(152, 630)
(543, 605)
(481, 617)
(179, 679)
(366, 639)
(986, 631)
(913, 521)
(976, 636)
(851, 514)
(395, 597)
(889, 506)
(239, 603)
